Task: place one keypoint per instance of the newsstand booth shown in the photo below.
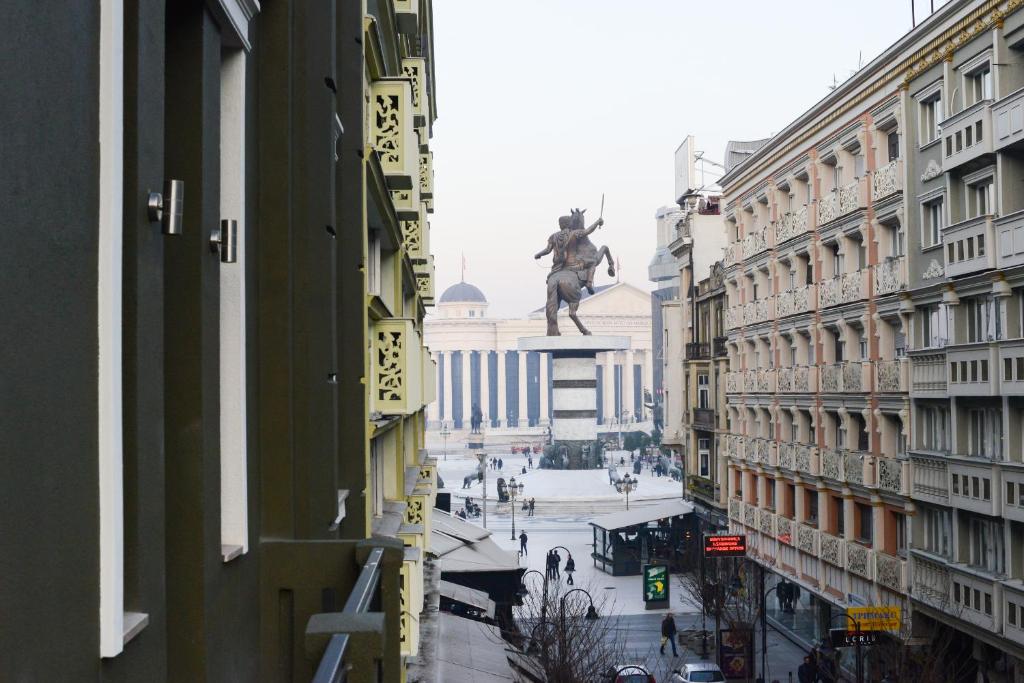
(625, 541)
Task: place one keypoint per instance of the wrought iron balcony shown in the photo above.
(719, 347)
(698, 351)
(704, 418)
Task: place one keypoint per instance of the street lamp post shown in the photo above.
(627, 485)
(482, 457)
(445, 433)
(859, 666)
(513, 494)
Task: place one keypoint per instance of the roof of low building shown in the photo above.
(462, 292)
(628, 518)
(464, 547)
(471, 651)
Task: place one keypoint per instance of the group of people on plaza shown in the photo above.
(553, 564)
(528, 506)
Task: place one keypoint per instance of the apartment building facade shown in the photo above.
(214, 379)
(871, 319)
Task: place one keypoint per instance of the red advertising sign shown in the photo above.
(725, 545)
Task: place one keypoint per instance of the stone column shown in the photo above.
(433, 408)
(446, 388)
(627, 384)
(501, 389)
(647, 375)
(523, 417)
(544, 389)
(485, 389)
(467, 385)
(608, 383)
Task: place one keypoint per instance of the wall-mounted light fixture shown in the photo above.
(168, 208)
(225, 240)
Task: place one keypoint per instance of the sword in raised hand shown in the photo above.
(601, 215)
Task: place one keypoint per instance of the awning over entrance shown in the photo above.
(629, 518)
(479, 600)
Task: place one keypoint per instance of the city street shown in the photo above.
(618, 598)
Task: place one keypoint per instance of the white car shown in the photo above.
(630, 673)
(698, 672)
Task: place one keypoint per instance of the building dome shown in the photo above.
(462, 292)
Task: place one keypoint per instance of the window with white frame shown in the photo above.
(937, 526)
(978, 84)
(704, 456)
(934, 427)
(930, 114)
(980, 196)
(986, 545)
(932, 221)
(703, 391)
(934, 326)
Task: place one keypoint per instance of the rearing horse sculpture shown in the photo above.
(573, 264)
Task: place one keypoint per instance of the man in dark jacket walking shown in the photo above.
(668, 633)
(522, 543)
(807, 672)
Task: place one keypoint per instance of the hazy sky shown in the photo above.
(545, 104)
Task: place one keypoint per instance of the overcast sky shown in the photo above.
(545, 104)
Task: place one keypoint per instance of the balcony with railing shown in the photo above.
(704, 418)
(973, 369)
(842, 201)
(787, 455)
(966, 135)
(754, 243)
(718, 346)
(887, 180)
(976, 485)
(891, 276)
(928, 373)
(969, 246)
(698, 351)
(860, 468)
(893, 475)
(852, 376)
(929, 474)
(891, 571)
(807, 539)
(1010, 233)
(892, 376)
(734, 382)
(792, 224)
(766, 381)
(844, 289)
(807, 459)
(833, 549)
(860, 559)
(985, 596)
(1008, 120)
(796, 301)
(832, 464)
(750, 381)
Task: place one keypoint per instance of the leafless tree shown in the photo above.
(558, 629)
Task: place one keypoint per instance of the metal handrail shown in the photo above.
(332, 667)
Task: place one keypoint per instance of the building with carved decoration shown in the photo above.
(874, 328)
(214, 375)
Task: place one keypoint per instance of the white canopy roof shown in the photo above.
(627, 518)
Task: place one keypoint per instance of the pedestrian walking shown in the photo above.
(522, 543)
(794, 597)
(529, 461)
(807, 672)
(556, 561)
(549, 569)
(501, 464)
(668, 633)
(533, 504)
(570, 567)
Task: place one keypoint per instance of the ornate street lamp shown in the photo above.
(514, 492)
(627, 485)
(445, 433)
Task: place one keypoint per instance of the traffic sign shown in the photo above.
(880, 618)
(725, 545)
(655, 583)
(840, 637)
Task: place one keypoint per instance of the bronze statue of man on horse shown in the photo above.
(574, 260)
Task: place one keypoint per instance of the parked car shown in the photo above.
(698, 672)
(630, 673)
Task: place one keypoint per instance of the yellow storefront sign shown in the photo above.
(884, 618)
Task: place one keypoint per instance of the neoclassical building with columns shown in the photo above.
(478, 361)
